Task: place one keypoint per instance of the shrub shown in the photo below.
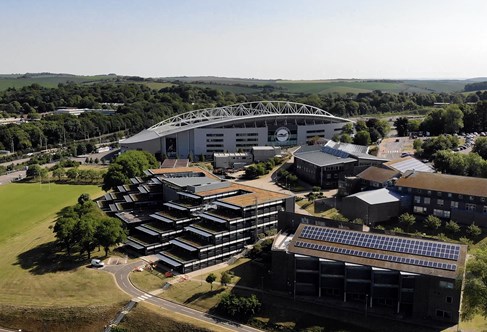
(432, 222)
(452, 227)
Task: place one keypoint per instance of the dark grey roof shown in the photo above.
(319, 158)
(191, 181)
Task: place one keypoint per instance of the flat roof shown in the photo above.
(408, 164)
(191, 181)
(321, 159)
(377, 174)
(176, 170)
(463, 185)
(380, 263)
(378, 196)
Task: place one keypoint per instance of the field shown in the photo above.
(48, 81)
(34, 277)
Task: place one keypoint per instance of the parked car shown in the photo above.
(97, 263)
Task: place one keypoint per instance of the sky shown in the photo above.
(266, 39)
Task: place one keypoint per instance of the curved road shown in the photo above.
(121, 274)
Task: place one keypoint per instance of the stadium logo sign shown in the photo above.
(282, 134)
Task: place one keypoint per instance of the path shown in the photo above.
(121, 274)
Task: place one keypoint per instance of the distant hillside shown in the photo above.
(250, 85)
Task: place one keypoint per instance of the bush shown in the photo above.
(316, 189)
(432, 222)
(473, 230)
(452, 227)
(238, 307)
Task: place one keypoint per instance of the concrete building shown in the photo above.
(450, 197)
(394, 276)
(373, 206)
(192, 219)
(236, 127)
(332, 163)
(264, 153)
(235, 160)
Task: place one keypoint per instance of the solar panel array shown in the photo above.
(373, 241)
(335, 152)
(372, 255)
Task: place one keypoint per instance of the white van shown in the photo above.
(97, 263)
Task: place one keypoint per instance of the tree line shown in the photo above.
(138, 106)
(83, 227)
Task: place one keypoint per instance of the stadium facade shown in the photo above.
(236, 128)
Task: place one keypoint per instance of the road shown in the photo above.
(121, 274)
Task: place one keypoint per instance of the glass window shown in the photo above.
(427, 200)
(446, 284)
(454, 205)
(470, 207)
(439, 202)
(417, 199)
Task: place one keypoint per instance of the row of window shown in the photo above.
(453, 204)
(440, 194)
(247, 134)
(214, 135)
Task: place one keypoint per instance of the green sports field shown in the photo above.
(32, 272)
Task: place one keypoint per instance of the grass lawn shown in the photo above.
(148, 318)
(32, 273)
(147, 281)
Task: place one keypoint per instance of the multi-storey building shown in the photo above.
(327, 165)
(193, 217)
(395, 276)
(459, 198)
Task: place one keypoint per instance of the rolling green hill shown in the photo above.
(247, 85)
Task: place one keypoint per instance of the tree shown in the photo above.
(346, 138)
(432, 222)
(453, 119)
(402, 125)
(226, 278)
(59, 172)
(83, 198)
(211, 279)
(408, 220)
(64, 230)
(475, 286)
(110, 232)
(474, 231)
(362, 138)
(72, 173)
(452, 227)
(128, 165)
(480, 147)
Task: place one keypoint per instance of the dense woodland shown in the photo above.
(139, 107)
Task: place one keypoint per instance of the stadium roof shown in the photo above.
(227, 114)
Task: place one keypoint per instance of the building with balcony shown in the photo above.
(192, 219)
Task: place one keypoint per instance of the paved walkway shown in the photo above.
(121, 274)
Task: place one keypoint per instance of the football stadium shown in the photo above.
(236, 128)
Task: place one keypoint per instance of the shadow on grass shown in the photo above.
(204, 295)
(46, 258)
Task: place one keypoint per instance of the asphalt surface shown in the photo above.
(121, 273)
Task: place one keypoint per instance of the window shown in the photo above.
(460, 196)
(438, 194)
(449, 299)
(449, 195)
(427, 200)
(470, 207)
(441, 213)
(429, 192)
(439, 202)
(417, 199)
(454, 205)
(419, 209)
(443, 314)
(471, 198)
(446, 284)
(485, 209)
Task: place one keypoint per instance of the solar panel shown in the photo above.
(383, 257)
(373, 241)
